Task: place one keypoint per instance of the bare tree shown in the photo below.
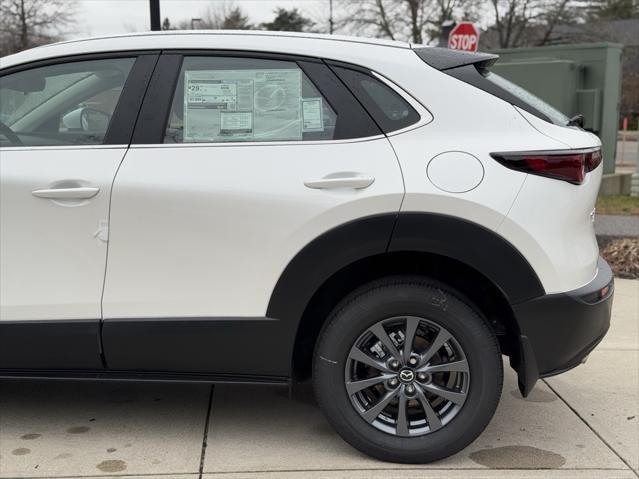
(613, 9)
(530, 22)
(223, 15)
(29, 23)
(417, 21)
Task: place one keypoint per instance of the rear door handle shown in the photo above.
(76, 193)
(355, 182)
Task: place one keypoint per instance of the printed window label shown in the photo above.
(246, 105)
(312, 114)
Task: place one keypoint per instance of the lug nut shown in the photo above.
(410, 389)
(393, 382)
(412, 361)
(421, 376)
(394, 364)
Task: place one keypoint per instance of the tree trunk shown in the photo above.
(416, 32)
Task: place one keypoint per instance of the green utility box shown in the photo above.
(576, 79)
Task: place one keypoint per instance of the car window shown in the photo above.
(228, 99)
(66, 104)
(387, 107)
(525, 96)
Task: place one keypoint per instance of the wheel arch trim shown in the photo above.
(466, 242)
(453, 237)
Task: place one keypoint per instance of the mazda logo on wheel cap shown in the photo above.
(406, 376)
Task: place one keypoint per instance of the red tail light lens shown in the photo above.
(593, 159)
(567, 165)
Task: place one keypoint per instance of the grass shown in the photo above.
(618, 205)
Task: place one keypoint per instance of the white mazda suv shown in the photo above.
(387, 219)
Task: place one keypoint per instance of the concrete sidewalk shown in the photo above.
(582, 424)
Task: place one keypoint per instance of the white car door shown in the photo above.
(255, 162)
(57, 163)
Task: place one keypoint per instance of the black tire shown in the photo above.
(438, 304)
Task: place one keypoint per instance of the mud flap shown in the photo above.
(526, 366)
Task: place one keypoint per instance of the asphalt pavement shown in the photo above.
(617, 226)
(582, 424)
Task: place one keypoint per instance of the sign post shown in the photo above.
(464, 36)
(154, 10)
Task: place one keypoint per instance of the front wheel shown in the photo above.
(406, 371)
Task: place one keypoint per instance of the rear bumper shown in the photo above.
(558, 331)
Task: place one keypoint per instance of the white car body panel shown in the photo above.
(564, 254)
(53, 253)
(572, 137)
(167, 256)
(207, 229)
(562, 245)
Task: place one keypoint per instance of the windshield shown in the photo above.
(552, 113)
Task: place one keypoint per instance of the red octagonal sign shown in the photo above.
(464, 36)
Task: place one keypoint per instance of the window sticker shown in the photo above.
(242, 105)
(312, 114)
(236, 122)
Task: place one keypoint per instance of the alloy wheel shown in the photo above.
(407, 376)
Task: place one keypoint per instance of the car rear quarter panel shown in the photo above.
(547, 220)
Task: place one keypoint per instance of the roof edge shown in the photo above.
(253, 33)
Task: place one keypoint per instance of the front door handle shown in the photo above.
(355, 182)
(76, 193)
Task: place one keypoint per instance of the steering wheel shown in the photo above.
(10, 135)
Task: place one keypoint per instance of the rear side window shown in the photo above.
(58, 105)
(389, 110)
(228, 99)
(528, 98)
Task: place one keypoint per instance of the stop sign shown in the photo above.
(464, 36)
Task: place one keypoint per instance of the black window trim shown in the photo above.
(126, 111)
(333, 64)
(155, 110)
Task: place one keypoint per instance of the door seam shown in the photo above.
(108, 245)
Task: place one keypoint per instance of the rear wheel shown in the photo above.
(406, 371)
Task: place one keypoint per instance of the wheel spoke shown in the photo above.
(438, 342)
(457, 398)
(411, 328)
(379, 331)
(357, 354)
(378, 363)
(353, 387)
(451, 367)
(402, 420)
(371, 414)
(434, 422)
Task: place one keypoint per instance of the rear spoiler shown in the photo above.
(445, 59)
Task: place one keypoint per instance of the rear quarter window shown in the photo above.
(387, 107)
(525, 96)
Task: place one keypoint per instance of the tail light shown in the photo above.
(567, 165)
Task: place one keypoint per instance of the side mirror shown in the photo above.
(86, 119)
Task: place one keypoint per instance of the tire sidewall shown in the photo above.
(443, 307)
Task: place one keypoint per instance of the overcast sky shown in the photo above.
(99, 17)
